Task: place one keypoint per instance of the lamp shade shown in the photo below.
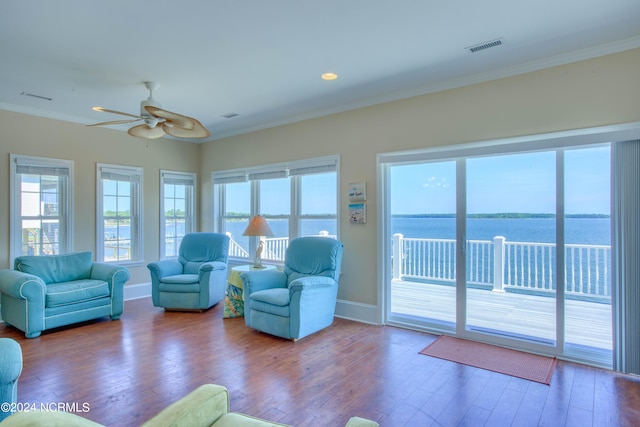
(258, 226)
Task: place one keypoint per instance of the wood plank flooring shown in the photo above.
(128, 370)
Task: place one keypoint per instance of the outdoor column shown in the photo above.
(498, 263)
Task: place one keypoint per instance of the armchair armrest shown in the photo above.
(200, 408)
(258, 280)
(311, 282)
(211, 266)
(115, 275)
(165, 267)
(22, 285)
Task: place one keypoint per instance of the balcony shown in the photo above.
(511, 286)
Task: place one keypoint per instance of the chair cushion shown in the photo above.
(76, 291)
(273, 301)
(57, 268)
(181, 279)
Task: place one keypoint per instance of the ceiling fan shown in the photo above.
(157, 122)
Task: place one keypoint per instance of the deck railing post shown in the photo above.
(396, 263)
(498, 263)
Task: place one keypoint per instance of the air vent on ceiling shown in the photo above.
(46, 98)
(485, 45)
(230, 115)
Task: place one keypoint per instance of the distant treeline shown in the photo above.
(516, 215)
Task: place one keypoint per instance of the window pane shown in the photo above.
(318, 194)
(120, 200)
(319, 227)
(238, 199)
(276, 245)
(239, 244)
(39, 223)
(30, 204)
(587, 228)
(177, 206)
(109, 187)
(275, 197)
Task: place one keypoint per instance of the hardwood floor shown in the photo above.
(128, 370)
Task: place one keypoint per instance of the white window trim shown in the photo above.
(15, 236)
(137, 254)
(192, 209)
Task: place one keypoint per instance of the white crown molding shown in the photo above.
(558, 60)
(575, 56)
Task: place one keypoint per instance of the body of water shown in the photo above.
(588, 231)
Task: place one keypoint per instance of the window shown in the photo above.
(41, 200)
(119, 213)
(177, 210)
(297, 199)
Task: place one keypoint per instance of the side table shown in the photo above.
(234, 298)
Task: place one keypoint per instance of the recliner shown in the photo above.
(197, 279)
(300, 299)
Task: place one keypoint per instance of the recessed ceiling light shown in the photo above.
(329, 76)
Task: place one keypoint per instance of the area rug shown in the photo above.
(493, 358)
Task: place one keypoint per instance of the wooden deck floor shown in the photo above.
(587, 324)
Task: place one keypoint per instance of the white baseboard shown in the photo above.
(350, 310)
(365, 313)
(139, 290)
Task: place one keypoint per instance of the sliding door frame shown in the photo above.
(557, 142)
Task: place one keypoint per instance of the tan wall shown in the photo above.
(591, 93)
(86, 146)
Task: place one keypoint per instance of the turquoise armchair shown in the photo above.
(300, 299)
(197, 279)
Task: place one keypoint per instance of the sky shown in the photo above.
(523, 183)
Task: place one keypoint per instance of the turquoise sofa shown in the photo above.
(45, 292)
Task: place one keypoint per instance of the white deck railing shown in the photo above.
(503, 265)
(274, 248)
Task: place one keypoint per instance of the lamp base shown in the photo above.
(257, 260)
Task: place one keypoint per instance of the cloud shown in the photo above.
(434, 182)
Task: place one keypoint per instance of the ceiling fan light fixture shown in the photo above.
(144, 131)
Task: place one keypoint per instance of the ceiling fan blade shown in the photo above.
(115, 122)
(104, 110)
(198, 130)
(144, 131)
(178, 120)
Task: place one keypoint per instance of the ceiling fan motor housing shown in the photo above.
(150, 120)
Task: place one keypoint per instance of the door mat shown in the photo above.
(493, 358)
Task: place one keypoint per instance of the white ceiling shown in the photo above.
(262, 59)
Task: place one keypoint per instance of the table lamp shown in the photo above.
(258, 227)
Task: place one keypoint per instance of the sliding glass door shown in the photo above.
(423, 231)
(510, 247)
